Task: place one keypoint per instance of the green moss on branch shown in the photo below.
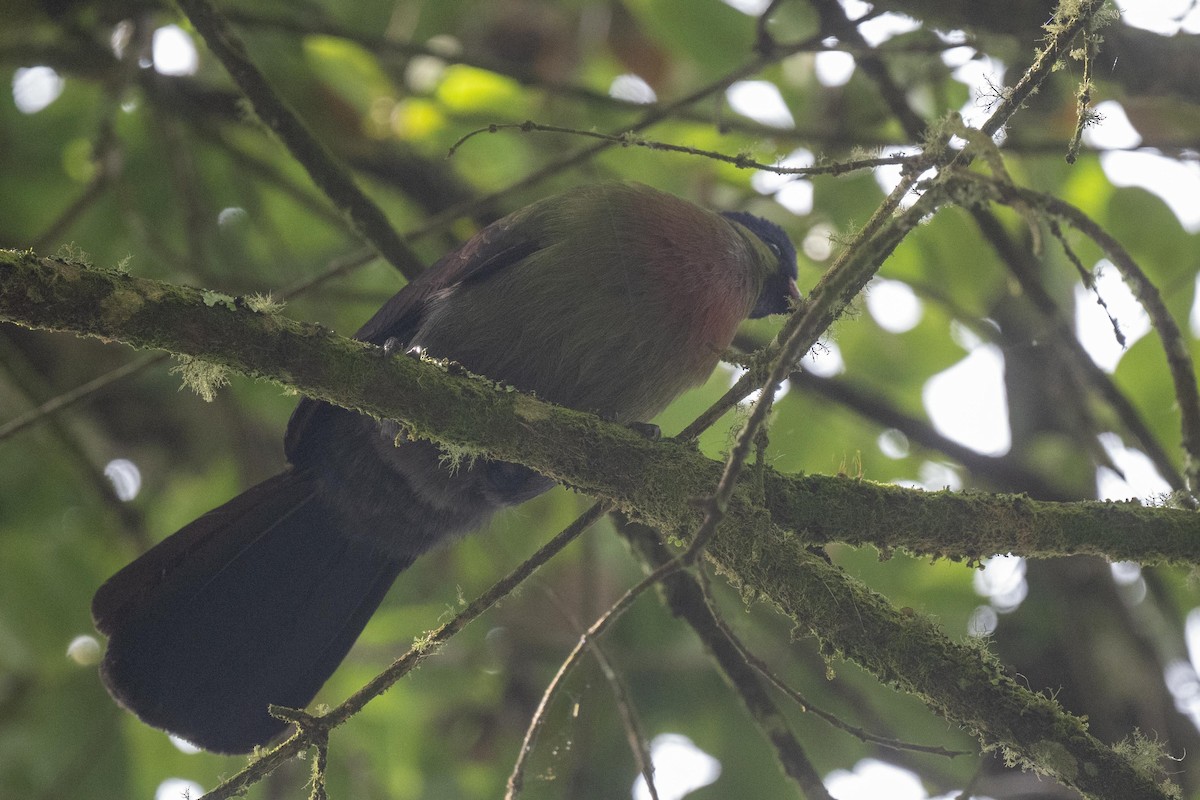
(763, 546)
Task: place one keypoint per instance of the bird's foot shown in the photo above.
(647, 430)
(393, 345)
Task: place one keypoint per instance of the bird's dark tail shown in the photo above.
(256, 602)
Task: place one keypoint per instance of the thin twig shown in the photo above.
(1084, 115)
(27, 380)
(685, 598)
(625, 709)
(1064, 338)
(765, 670)
(422, 649)
(1063, 31)
(741, 161)
(847, 276)
(256, 166)
(516, 779)
(834, 21)
(320, 767)
(1087, 278)
(1179, 359)
(717, 503)
(69, 398)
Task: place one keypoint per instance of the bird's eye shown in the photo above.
(775, 249)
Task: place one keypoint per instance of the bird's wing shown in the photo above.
(495, 248)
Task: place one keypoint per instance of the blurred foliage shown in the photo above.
(173, 176)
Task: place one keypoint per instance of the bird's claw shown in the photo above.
(647, 430)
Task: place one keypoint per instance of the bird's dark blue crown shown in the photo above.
(777, 294)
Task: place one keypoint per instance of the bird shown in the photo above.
(611, 298)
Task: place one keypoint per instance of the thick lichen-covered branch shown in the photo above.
(969, 526)
(762, 545)
(656, 481)
(965, 684)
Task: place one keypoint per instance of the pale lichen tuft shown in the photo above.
(202, 377)
(264, 303)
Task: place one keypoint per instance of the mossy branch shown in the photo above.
(763, 547)
(656, 482)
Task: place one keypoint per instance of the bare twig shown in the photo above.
(1179, 360)
(1033, 289)
(684, 596)
(27, 380)
(422, 649)
(834, 21)
(1086, 277)
(625, 709)
(765, 670)
(70, 398)
(741, 161)
(516, 779)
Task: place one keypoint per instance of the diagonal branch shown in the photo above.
(368, 219)
(684, 596)
(756, 546)
(1175, 345)
(236, 784)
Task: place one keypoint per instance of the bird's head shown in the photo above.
(779, 292)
